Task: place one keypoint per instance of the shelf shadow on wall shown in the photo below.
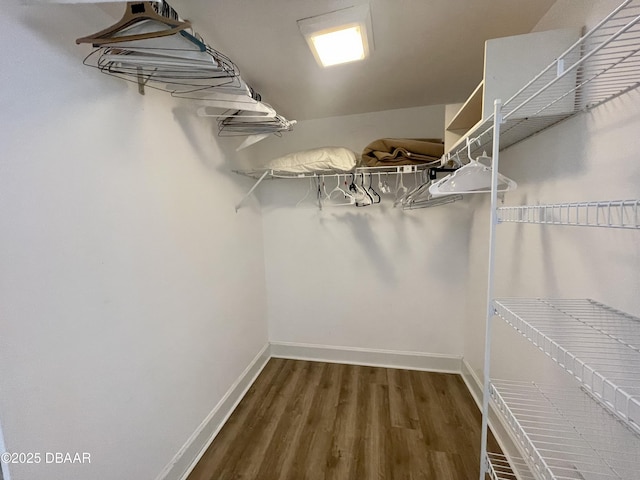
(215, 153)
(551, 154)
(365, 237)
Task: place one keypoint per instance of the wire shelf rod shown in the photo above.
(501, 468)
(390, 170)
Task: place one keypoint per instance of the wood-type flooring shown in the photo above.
(318, 421)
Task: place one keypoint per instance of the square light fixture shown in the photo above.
(339, 37)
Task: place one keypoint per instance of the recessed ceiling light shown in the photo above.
(339, 37)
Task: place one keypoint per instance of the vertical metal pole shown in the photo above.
(4, 466)
(497, 120)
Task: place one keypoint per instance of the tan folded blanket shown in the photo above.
(402, 151)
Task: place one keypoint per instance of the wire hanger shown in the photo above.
(139, 12)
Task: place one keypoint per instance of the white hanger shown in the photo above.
(401, 190)
(252, 139)
(306, 194)
(420, 197)
(383, 187)
(221, 109)
(342, 194)
(474, 177)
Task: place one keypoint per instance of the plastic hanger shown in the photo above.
(138, 12)
(361, 196)
(474, 177)
(401, 190)
(342, 194)
(375, 197)
(368, 200)
(306, 194)
(383, 187)
(420, 197)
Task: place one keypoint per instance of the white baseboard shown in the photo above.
(187, 457)
(364, 356)
(473, 383)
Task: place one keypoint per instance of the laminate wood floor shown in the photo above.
(319, 421)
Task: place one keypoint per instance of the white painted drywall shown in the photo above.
(373, 277)
(132, 293)
(592, 156)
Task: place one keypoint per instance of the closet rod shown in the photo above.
(390, 170)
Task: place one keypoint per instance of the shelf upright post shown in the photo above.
(497, 120)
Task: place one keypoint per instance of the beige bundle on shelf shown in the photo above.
(387, 152)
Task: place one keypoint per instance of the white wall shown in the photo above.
(592, 156)
(373, 277)
(132, 293)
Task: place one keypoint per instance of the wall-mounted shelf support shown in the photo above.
(264, 175)
(141, 81)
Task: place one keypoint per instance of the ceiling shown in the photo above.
(426, 52)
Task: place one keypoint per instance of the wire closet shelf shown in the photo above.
(500, 468)
(601, 65)
(563, 434)
(610, 214)
(596, 344)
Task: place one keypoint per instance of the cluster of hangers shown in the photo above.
(154, 47)
(472, 177)
(363, 189)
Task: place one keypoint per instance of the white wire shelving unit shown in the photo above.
(563, 434)
(603, 64)
(597, 344)
(611, 214)
(591, 432)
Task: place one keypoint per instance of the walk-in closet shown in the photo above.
(236, 245)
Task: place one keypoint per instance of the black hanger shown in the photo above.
(376, 198)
